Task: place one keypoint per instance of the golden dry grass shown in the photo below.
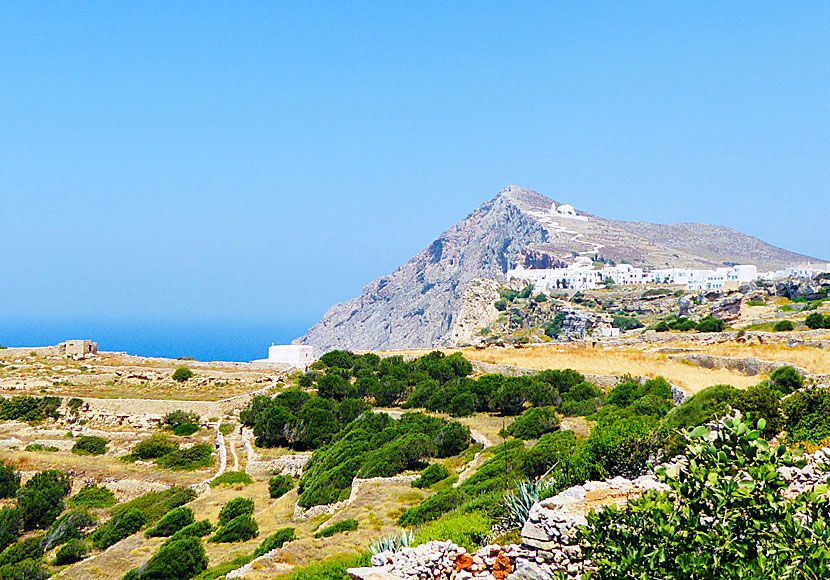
(814, 360)
(612, 361)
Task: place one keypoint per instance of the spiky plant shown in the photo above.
(517, 504)
(393, 542)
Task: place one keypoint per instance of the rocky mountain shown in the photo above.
(419, 304)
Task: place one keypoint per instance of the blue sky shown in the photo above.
(261, 161)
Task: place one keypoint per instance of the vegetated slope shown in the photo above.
(417, 304)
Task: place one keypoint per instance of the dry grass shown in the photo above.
(814, 360)
(612, 361)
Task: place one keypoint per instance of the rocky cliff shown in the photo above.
(419, 304)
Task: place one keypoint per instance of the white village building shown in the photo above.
(296, 355)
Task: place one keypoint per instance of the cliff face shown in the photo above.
(419, 304)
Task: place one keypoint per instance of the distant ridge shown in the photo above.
(414, 306)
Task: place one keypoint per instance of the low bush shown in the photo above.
(232, 478)
(29, 409)
(469, 530)
(240, 506)
(179, 560)
(816, 321)
(28, 549)
(182, 374)
(11, 522)
(92, 496)
(276, 540)
(711, 324)
(172, 522)
(431, 508)
(330, 569)
(155, 504)
(786, 380)
(121, 526)
(24, 570)
(342, 526)
(41, 447)
(73, 551)
(239, 529)
(67, 527)
(431, 475)
(626, 323)
(90, 445)
(198, 529)
(808, 415)
(41, 499)
(783, 326)
(181, 423)
(155, 446)
(534, 423)
(279, 485)
(9, 480)
(189, 458)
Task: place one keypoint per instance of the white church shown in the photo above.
(295, 355)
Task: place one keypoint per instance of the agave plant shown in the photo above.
(393, 542)
(518, 503)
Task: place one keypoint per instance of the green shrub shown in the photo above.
(276, 540)
(11, 523)
(182, 423)
(232, 478)
(41, 499)
(182, 374)
(179, 560)
(89, 445)
(188, 459)
(155, 446)
(783, 326)
(808, 415)
(198, 529)
(67, 527)
(659, 535)
(755, 303)
(786, 380)
(762, 402)
(431, 508)
(73, 551)
(662, 326)
(172, 522)
(501, 304)
(41, 447)
(469, 530)
(92, 496)
(121, 526)
(711, 324)
(432, 474)
(279, 485)
(239, 529)
(540, 298)
(330, 569)
(341, 526)
(29, 409)
(816, 320)
(28, 549)
(155, 504)
(240, 506)
(28, 569)
(625, 323)
(534, 423)
(9, 480)
(708, 404)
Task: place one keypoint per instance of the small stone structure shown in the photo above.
(79, 347)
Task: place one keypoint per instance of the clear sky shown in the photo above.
(263, 160)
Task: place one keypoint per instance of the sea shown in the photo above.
(203, 340)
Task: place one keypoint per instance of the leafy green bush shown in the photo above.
(188, 459)
(9, 480)
(330, 569)
(232, 478)
(11, 523)
(172, 522)
(198, 529)
(41, 499)
(276, 540)
(182, 374)
(341, 526)
(434, 473)
(29, 409)
(92, 496)
(155, 446)
(28, 569)
(179, 560)
(808, 415)
(240, 506)
(41, 447)
(121, 526)
(783, 326)
(431, 508)
(67, 527)
(625, 323)
(500, 304)
(711, 324)
(660, 534)
(469, 530)
(240, 529)
(89, 445)
(762, 402)
(540, 298)
(786, 380)
(155, 504)
(28, 549)
(662, 326)
(279, 485)
(708, 404)
(73, 551)
(816, 320)
(181, 423)
(534, 423)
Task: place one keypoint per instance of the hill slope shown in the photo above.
(416, 305)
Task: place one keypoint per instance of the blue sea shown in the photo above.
(204, 340)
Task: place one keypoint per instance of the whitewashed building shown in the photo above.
(296, 355)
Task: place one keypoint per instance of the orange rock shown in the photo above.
(463, 562)
(502, 567)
